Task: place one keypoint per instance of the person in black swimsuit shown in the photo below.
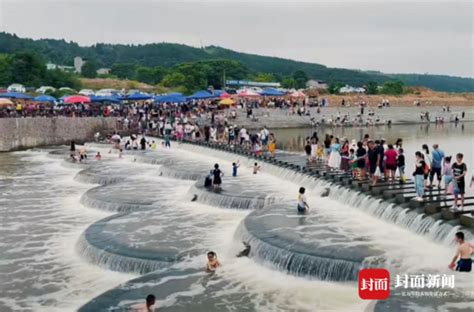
(217, 173)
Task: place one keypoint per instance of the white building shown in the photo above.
(78, 63)
(103, 71)
(316, 84)
(349, 89)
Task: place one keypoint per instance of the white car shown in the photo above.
(87, 92)
(44, 89)
(16, 87)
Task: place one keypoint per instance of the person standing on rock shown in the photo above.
(459, 171)
(217, 177)
(419, 174)
(437, 158)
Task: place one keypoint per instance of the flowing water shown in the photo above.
(71, 232)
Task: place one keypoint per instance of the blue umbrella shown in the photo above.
(201, 95)
(138, 97)
(45, 98)
(15, 95)
(170, 98)
(101, 99)
(272, 92)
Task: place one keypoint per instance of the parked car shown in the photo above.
(87, 92)
(16, 87)
(44, 89)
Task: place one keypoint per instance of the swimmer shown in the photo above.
(212, 262)
(149, 306)
(235, 166)
(325, 193)
(256, 168)
(98, 156)
(246, 251)
(302, 204)
(463, 253)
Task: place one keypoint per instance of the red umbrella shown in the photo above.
(73, 99)
(225, 95)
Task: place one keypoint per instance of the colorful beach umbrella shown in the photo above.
(138, 97)
(5, 102)
(16, 95)
(45, 99)
(202, 95)
(297, 94)
(248, 92)
(76, 99)
(226, 102)
(272, 92)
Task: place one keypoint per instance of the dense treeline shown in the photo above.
(30, 70)
(167, 63)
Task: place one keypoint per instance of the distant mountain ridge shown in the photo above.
(170, 54)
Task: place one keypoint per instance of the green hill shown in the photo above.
(167, 55)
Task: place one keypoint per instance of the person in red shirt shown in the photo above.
(390, 162)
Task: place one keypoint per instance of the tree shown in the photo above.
(288, 83)
(371, 87)
(300, 78)
(392, 87)
(123, 71)
(335, 87)
(89, 69)
(58, 78)
(28, 69)
(150, 75)
(5, 70)
(265, 77)
(173, 80)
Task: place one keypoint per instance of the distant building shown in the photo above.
(51, 66)
(316, 84)
(349, 89)
(103, 71)
(78, 63)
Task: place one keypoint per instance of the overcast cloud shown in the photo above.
(394, 36)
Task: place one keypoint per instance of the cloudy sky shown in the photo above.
(391, 36)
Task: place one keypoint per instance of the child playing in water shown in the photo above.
(98, 156)
(153, 145)
(256, 168)
(302, 204)
(235, 166)
(212, 262)
(320, 152)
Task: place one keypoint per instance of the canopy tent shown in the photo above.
(202, 95)
(16, 95)
(45, 99)
(75, 99)
(5, 102)
(137, 97)
(224, 95)
(170, 98)
(102, 99)
(297, 94)
(226, 102)
(248, 92)
(272, 92)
